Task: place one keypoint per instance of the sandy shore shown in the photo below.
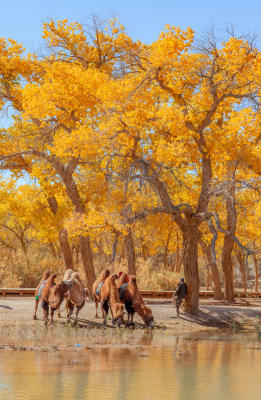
(19, 332)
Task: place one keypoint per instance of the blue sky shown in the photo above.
(22, 19)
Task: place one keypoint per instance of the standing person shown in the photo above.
(180, 294)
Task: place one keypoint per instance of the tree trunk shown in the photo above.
(228, 244)
(256, 273)
(165, 262)
(177, 261)
(241, 262)
(190, 263)
(130, 252)
(87, 261)
(114, 247)
(85, 246)
(63, 237)
(208, 278)
(66, 249)
(213, 271)
(52, 250)
(76, 252)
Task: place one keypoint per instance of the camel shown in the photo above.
(110, 298)
(135, 303)
(76, 296)
(53, 295)
(67, 276)
(96, 289)
(38, 291)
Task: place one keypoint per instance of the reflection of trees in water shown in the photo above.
(211, 369)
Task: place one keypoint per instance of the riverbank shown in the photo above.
(19, 332)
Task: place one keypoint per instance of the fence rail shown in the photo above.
(145, 293)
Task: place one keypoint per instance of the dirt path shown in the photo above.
(19, 331)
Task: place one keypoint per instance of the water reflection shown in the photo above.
(190, 369)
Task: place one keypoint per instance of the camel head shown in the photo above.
(149, 319)
(119, 313)
(64, 285)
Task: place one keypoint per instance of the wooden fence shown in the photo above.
(145, 293)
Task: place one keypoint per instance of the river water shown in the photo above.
(216, 367)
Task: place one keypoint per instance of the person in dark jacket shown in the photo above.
(180, 294)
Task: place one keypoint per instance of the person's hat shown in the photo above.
(181, 279)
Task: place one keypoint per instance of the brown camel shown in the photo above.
(38, 291)
(76, 296)
(67, 276)
(110, 298)
(96, 289)
(53, 295)
(134, 303)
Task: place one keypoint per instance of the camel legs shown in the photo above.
(58, 313)
(96, 305)
(70, 306)
(78, 309)
(130, 318)
(45, 308)
(52, 313)
(112, 317)
(105, 310)
(35, 309)
(67, 308)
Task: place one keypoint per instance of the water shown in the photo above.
(206, 368)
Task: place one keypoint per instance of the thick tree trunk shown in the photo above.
(177, 261)
(63, 237)
(228, 244)
(227, 267)
(130, 252)
(208, 278)
(87, 261)
(241, 263)
(85, 246)
(256, 273)
(190, 263)
(66, 249)
(52, 250)
(213, 271)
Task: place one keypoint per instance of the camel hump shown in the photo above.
(68, 274)
(51, 279)
(105, 274)
(132, 279)
(46, 274)
(113, 277)
(75, 275)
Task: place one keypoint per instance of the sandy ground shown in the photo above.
(18, 330)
